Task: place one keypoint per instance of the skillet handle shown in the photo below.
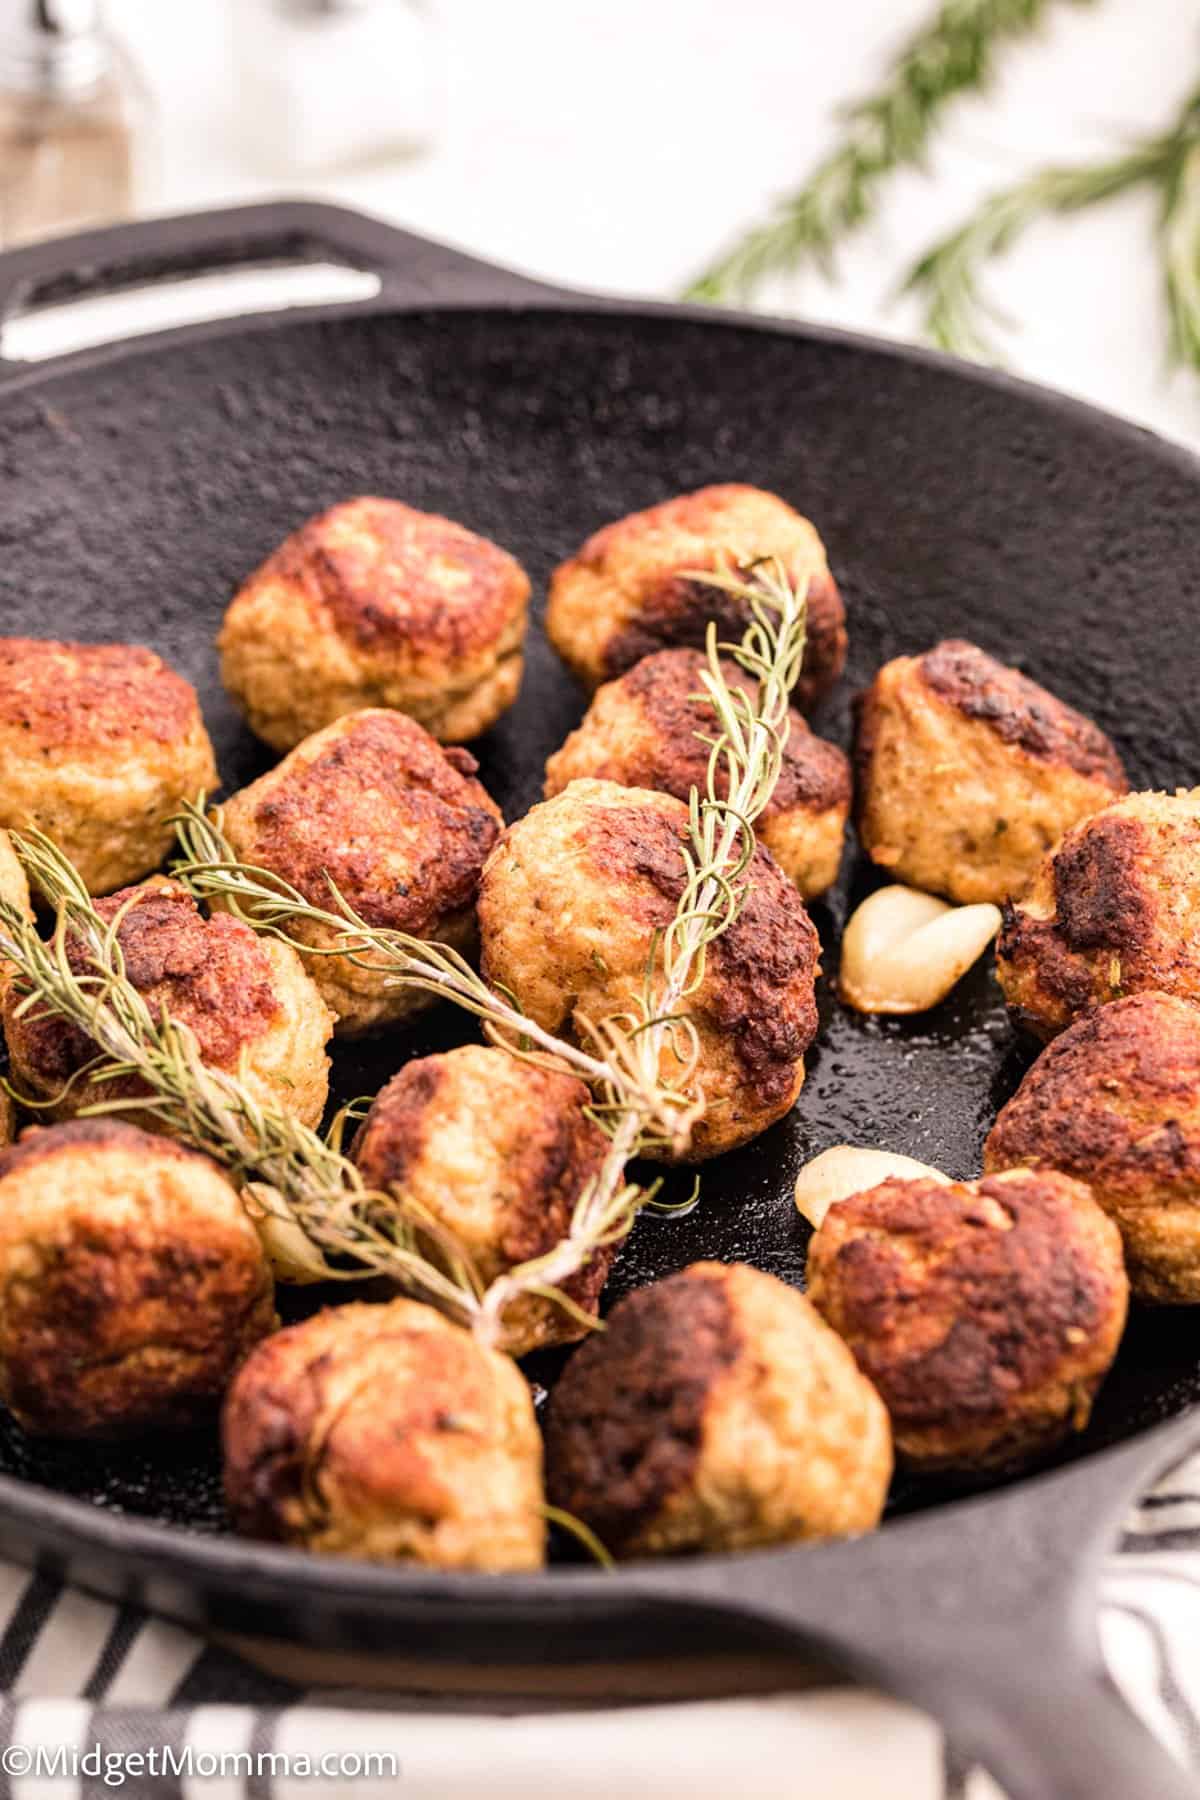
(412, 270)
(982, 1614)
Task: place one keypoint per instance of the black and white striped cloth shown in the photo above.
(93, 1689)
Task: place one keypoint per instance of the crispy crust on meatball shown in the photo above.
(498, 1152)
(986, 1313)
(132, 1282)
(716, 1412)
(1115, 1102)
(967, 773)
(252, 1008)
(399, 825)
(569, 905)
(647, 730)
(1115, 911)
(99, 744)
(625, 593)
(389, 1433)
(376, 604)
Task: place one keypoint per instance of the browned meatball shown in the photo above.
(986, 1312)
(376, 604)
(648, 730)
(497, 1152)
(571, 900)
(386, 1432)
(1115, 1102)
(99, 744)
(716, 1412)
(132, 1282)
(400, 827)
(967, 773)
(1115, 911)
(627, 592)
(252, 1008)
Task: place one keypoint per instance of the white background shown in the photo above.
(616, 143)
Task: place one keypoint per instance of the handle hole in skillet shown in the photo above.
(50, 323)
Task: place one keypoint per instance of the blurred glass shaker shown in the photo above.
(333, 84)
(76, 124)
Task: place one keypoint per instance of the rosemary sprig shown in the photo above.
(947, 277)
(636, 1104)
(955, 53)
(308, 1200)
(744, 758)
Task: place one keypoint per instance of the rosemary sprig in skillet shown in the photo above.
(637, 1104)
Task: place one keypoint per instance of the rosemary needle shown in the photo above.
(954, 54)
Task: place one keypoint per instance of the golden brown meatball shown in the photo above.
(252, 1008)
(571, 899)
(1115, 911)
(647, 728)
(967, 773)
(132, 1282)
(626, 592)
(498, 1152)
(986, 1313)
(8, 1118)
(398, 824)
(716, 1412)
(389, 1433)
(99, 744)
(1115, 1102)
(376, 604)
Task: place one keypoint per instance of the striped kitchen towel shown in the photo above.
(100, 1699)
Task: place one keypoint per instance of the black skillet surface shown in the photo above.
(141, 482)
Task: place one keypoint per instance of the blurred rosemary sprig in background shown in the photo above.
(947, 277)
(952, 55)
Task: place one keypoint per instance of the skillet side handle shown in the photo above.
(984, 1615)
(1051, 1731)
(412, 270)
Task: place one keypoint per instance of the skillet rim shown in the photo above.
(219, 1562)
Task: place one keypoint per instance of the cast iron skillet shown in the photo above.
(142, 481)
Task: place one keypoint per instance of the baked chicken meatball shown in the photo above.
(99, 744)
(386, 1432)
(497, 1152)
(571, 901)
(647, 730)
(376, 604)
(253, 1010)
(986, 1312)
(1115, 1102)
(627, 591)
(716, 1412)
(399, 825)
(132, 1283)
(1115, 911)
(967, 773)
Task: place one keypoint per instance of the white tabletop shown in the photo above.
(615, 144)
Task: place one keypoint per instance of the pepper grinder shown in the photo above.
(333, 84)
(75, 121)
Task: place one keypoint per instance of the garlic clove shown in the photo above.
(903, 951)
(850, 1169)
